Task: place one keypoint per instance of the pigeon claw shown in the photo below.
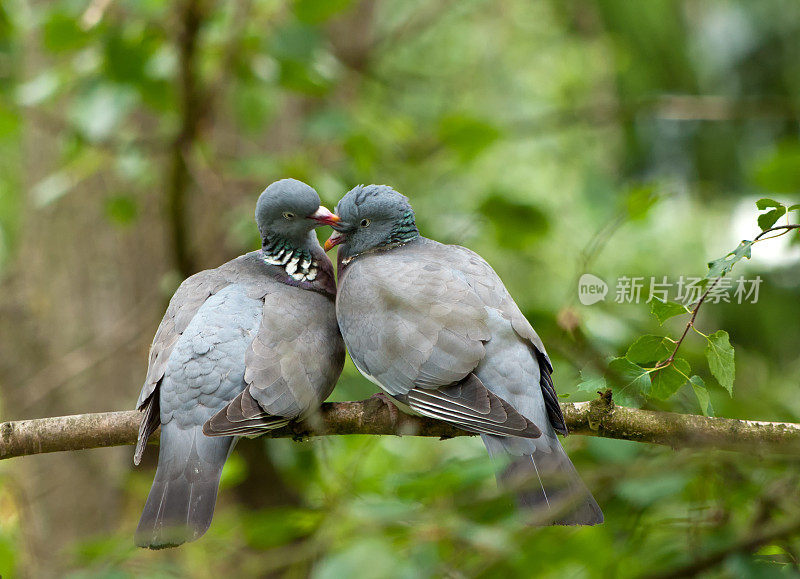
(386, 400)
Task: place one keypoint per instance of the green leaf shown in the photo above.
(780, 172)
(122, 209)
(303, 77)
(720, 355)
(253, 108)
(362, 150)
(126, 54)
(768, 219)
(516, 225)
(795, 207)
(315, 12)
(62, 33)
(467, 136)
(703, 398)
(277, 526)
(591, 382)
(632, 377)
(649, 348)
(640, 200)
(665, 310)
(723, 265)
(295, 42)
(296, 48)
(766, 203)
(666, 381)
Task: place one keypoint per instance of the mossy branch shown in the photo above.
(596, 418)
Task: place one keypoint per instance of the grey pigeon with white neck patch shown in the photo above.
(435, 328)
(260, 330)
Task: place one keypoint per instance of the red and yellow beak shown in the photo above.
(323, 216)
(334, 240)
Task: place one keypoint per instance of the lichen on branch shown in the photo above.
(600, 417)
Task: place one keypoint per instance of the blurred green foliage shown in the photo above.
(555, 138)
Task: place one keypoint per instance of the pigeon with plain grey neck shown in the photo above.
(259, 330)
(435, 328)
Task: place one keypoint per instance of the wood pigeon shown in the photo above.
(263, 327)
(435, 328)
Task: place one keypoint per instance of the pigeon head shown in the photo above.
(287, 213)
(289, 210)
(371, 216)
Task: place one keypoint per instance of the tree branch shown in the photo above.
(599, 417)
(192, 113)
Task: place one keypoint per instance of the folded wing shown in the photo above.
(290, 367)
(469, 405)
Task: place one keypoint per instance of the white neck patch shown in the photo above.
(297, 264)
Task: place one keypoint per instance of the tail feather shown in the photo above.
(181, 502)
(151, 419)
(545, 482)
(243, 417)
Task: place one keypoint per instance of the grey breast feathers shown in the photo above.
(291, 366)
(409, 322)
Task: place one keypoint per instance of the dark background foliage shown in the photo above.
(554, 137)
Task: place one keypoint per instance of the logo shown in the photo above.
(591, 289)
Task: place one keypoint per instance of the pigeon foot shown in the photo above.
(393, 411)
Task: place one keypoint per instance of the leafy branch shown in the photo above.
(651, 367)
(600, 417)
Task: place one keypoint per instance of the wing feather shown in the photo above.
(243, 417)
(469, 404)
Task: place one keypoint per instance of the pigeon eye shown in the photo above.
(365, 222)
(288, 215)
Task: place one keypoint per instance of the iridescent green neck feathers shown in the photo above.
(405, 229)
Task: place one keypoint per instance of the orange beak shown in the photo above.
(323, 216)
(334, 240)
